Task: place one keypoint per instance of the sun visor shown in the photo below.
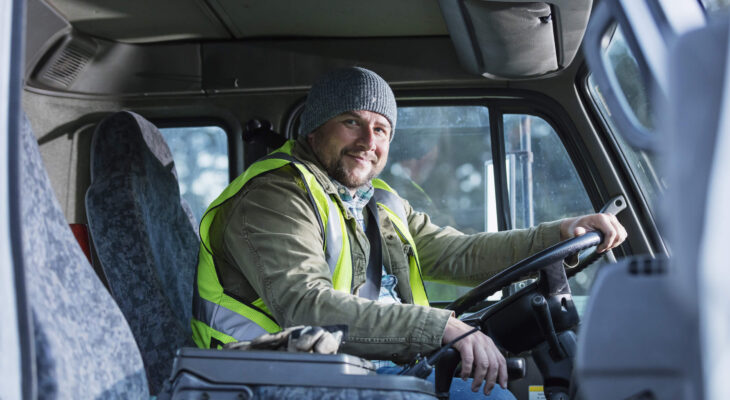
(515, 39)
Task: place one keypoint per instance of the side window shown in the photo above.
(542, 182)
(437, 161)
(441, 161)
(201, 160)
(543, 185)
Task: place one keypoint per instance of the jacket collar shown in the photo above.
(303, 152)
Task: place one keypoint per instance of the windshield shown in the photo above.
(642, 164)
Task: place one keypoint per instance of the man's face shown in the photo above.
(353, 146)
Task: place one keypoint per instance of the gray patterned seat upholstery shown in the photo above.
(84, 347)
(144, 235)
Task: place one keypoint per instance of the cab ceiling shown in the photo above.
(144, 21)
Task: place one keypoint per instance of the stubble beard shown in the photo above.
(336, 168)
(339, 172)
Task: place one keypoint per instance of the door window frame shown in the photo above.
(18, 347)
(641, 206)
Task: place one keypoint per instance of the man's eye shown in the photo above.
(350, 122)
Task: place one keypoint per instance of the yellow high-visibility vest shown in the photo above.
(219, 318)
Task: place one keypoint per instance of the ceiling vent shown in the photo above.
(64, 65)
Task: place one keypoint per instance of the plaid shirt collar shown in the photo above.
(357, 202)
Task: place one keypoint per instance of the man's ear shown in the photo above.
(310, 138)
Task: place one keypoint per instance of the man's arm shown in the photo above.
(448, 255)
(274, 239)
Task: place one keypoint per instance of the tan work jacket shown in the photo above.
(267, 243)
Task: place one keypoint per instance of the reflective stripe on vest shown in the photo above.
(219, 318)
(390, 202)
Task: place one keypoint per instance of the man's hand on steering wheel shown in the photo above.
(478, 354)
(480, 357)
(613, 232)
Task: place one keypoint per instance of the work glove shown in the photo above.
(315, 339)
(309, 339)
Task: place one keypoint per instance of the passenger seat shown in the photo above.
(145, 236)
(82, 343)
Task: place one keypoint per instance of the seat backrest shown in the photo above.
(144, 235)
(83, 345)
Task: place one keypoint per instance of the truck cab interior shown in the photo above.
(128, 119)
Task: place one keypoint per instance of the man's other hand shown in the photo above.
(613, 232)
(480, 357)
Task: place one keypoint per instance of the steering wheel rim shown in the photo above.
(526, 266)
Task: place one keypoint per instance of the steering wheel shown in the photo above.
(537, 318)
(538, 261)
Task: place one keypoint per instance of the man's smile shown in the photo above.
(362, 159)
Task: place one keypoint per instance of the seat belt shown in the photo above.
(374, 272)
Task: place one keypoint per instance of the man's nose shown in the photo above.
(367, 137)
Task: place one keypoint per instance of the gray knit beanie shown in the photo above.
(347, 89)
